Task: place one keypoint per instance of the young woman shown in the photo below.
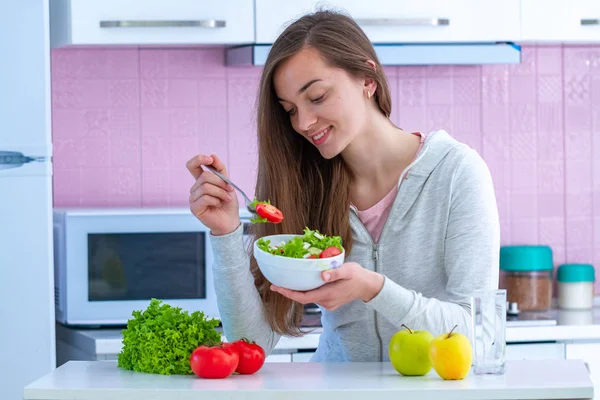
(417, 212)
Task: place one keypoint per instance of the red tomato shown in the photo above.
(331, 251)
(252, 356)
(214, 362)
(313, 256)
(271, 213)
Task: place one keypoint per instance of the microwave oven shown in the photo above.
(110, 262)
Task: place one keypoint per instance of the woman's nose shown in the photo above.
(306, 119)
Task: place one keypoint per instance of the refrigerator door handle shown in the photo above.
(15, 159)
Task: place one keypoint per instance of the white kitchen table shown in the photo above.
(524, 379)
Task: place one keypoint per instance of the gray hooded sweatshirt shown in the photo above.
(439, 245)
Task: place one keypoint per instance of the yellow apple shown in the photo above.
(409, 352)
(451, 355)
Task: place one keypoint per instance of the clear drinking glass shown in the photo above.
(488, 310)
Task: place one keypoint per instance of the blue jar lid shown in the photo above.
(576, 273)
(526, 258)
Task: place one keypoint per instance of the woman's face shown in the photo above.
(325, 105)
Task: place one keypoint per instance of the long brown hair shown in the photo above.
(310, 190)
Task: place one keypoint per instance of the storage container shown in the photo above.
(575, 286)
(526, 274)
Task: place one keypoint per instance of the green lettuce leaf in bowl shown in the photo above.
(312, 242)
(161, 339)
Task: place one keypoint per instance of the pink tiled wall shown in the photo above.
(126, 120)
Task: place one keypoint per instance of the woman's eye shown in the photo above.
(318, 99)
(291, 111)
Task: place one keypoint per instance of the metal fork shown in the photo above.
(220, 175)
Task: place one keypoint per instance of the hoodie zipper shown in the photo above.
(375, 245)
(375, 258)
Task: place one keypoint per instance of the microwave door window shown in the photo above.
(140, 266)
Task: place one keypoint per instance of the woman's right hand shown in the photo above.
(212, 200)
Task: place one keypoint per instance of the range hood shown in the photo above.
(405, 54)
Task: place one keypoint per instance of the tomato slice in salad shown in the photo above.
(269, 212)
(331, 251)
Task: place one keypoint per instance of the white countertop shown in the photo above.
(554, 325)
(100, 380)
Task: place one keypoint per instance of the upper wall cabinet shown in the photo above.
(561, 20)
(386, 21)
(151, 22)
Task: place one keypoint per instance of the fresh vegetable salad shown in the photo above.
(312, 244)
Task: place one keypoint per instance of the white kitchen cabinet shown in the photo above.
(151, 22)
(278, 358)
(590, 353)
(406, 21)
(302, 357)
(272, 16)
(561, 21)
(535, 351)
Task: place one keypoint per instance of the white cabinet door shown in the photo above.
(24, 79)
(272, 16)
(278, 358)
(26, 276)
(139, 22)
(536, 351)
(385, 21)
(302, 357)
(590, 353)
(561, 21)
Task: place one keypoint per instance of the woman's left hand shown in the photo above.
(344, 284)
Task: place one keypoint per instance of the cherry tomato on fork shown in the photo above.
(270, 212)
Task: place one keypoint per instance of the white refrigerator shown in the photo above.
(27, 328)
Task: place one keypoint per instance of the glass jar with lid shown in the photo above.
(575, 286)
(526, 274)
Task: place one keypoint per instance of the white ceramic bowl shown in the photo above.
(293, 273)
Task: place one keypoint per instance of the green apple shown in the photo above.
(409, 351)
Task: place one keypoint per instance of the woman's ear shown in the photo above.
(370, 84)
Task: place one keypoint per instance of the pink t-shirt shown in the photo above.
(374, 217)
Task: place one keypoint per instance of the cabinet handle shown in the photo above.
(203, 23)
(590, 21)
(403, 21)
